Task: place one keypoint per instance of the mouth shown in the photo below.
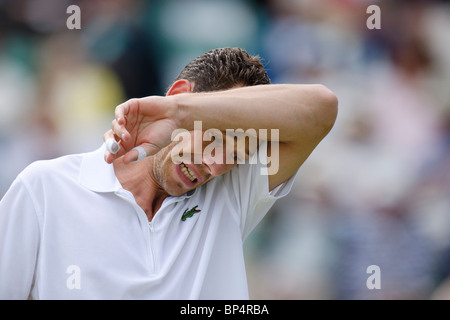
(188, 175)
(188, 172)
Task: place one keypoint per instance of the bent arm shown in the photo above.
(298, 111)
(302, 114)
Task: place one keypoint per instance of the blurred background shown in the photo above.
(375, 192)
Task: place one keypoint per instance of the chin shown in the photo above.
(177, 193)
(176, 190)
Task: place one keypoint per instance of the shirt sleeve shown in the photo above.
(252, 190)
(19, 242)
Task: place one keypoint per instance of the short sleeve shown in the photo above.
(19, 242)
(252, 190)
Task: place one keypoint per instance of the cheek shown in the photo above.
(166, 168)
(171, 182)
(219, 169)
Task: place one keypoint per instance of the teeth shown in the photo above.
(187, 172)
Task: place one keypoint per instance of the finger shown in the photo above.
(141, 152)
(111, 142)
(120, 121)
(108, 134)
(113, 146)
(120, 131)
(122, 110)
(108, 156)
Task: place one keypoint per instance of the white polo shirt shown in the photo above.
(68, 230)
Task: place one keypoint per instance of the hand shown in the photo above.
(147, 122)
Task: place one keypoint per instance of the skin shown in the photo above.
(303, 114)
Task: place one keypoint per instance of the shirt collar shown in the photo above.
(98, 175)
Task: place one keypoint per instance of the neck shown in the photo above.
(138, 178)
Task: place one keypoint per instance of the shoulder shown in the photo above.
(46, 170)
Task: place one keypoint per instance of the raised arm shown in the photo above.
(303, 115)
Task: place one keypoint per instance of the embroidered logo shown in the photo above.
(189, 213)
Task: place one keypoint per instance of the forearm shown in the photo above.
(301, 114)
(297, 111)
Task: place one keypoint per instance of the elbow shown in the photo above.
(327, 109)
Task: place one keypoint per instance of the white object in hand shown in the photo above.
(112, 145)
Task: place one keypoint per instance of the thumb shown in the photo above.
(141, 152)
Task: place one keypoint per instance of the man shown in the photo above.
(171, 225)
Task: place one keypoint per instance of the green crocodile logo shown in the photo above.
(189, 213)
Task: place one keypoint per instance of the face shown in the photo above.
(178, 176)
(198, 164)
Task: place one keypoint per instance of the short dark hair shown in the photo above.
(224, 68)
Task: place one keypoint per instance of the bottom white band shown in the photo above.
(141, 153)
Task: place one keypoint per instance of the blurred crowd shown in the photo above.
(375, 192)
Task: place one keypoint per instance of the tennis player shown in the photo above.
(150, 223)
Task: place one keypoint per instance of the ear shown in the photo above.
(180, 86)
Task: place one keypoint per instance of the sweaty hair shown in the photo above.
(224, 68)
